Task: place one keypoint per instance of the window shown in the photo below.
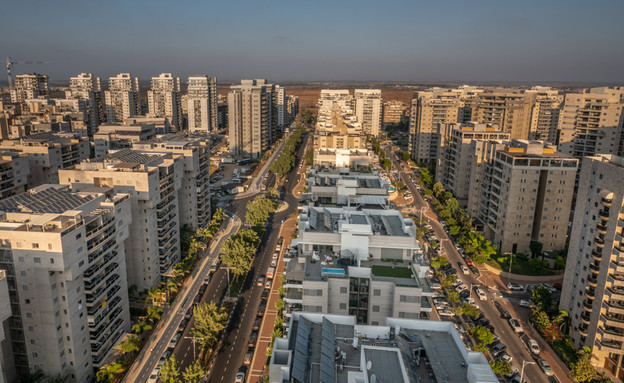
(376, 292)
(343, 306)
(35, 245)
(37, 260)
(375, 309)
(343, 290)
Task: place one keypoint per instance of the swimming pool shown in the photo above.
(326, 270)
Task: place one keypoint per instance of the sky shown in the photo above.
(443, 40)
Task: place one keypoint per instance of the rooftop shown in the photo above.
(365, 221)
(333, 349)
(44, 199)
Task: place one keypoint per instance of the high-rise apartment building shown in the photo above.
(28, 86)
(7, 365)
(194, 193)
(511, 110)
(281, 106)
(545, 114)
(369, 110)
(251, 118)
(87, 87)
(525, 196)
(592, 122)
(153, 181)
(394, 112)
(461, 143)
(117, 136)
(334, 97)
(122, 98)
(292, 108)
(202, 104)
(48, 153)
(431, 111)
(64, 257)
(14, 172)
(163, 99)
(593, 287)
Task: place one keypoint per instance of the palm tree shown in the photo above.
(141, 327)
(563, 321)
(107, 373)
(171, 287)
(130, 345)
(36, 376)
(154, 295)
(154, 314)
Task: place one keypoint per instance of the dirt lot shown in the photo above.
(309, 94)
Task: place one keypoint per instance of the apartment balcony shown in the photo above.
(592, 281)
(94, 255)
(596, 255)
(613, 321)
(585, 317)
(594, 268)
(588, 304)
(602, 229)
(612, 333)
(590, 292)
(93, 322)
(97, 267)
(98, 332)
(604, 214)
(616, 279)
(614, 306)
(108, 233)
(606, 202)
(599, 242)
(610, 346)
(582, 330)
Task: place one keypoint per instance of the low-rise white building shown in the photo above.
(344, 187)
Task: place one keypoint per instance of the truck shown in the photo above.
(244, 162)
(270, 272)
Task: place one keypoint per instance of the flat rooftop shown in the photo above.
(44, 199)
(379, 222)
(333, 349)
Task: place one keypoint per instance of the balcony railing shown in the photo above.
(587, 303)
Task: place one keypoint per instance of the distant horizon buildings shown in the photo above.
(163, 99)
(122, 98)
(202, 104)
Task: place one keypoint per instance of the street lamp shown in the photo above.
(193, 339)
(524, 363)
(509, 274)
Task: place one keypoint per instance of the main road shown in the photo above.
(508, 337)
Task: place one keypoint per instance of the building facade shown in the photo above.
(525, 196)
(202, 104)
(64, 257)
(369, 110)
(122, 98)
(163, 99)
(593, 287)
(29, 86)
(87, 87)
(153, 181)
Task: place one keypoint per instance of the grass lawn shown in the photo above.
(394, 272)
(522, 267)
(237, 284)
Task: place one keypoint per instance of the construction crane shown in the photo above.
(9, 65)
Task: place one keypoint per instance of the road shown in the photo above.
(508, 337)
(159, 341)
(230, 357)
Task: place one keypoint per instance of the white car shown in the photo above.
(545, 367)
(481, 294)
(515, 287)
(240, 377)
(465, 269)
(525, 303)
(534, 347)
(505, 356)
(153, 378)
(513, 322)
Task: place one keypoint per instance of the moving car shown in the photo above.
(515, 287)
(481, 294)
(267, 284)
(504, 313)
(465, 269)
(513, 322)
(545, 367)
(260, 280)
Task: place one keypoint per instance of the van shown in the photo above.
(270, 272)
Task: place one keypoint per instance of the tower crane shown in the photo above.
(11, 61)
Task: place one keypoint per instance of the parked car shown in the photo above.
(240, 377)
(260, 280)
(465, 269)
(525, 303)
(515, 287)
(273, 262)
(503, 311)
(256, 324)
(267, 284)
(248, 357)
(545, 367)
(515, 325)
(468, 261)
(261, 309)
(506, 357)
(153, 378)
(533, 347)
(498, 348)
(175, 339)
(475, 271)
(551, 288)
(253, 337)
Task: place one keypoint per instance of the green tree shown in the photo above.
(238, 251)
(453, 296)
(210, 320)
(387, 164)
(258, 211)
(542, 298)
(309, 157)
(170, 371)
(194, 373)
(582, 370)
(108, 372)
(439, 262)
(501, 366)
(154, 314)
(438, 189)
(36, 376)
(404, 155)
(481, 347)
(536, 248)
(540, 319)
(563, 320)
(130, 345)
(560, 262)
(141, 327)
(449, 281)
(470, 310)
(483, 334)
(279, 305)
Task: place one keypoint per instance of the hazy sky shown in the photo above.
(434, 40)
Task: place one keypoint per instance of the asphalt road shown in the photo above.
(515, 346)
(229, 359)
